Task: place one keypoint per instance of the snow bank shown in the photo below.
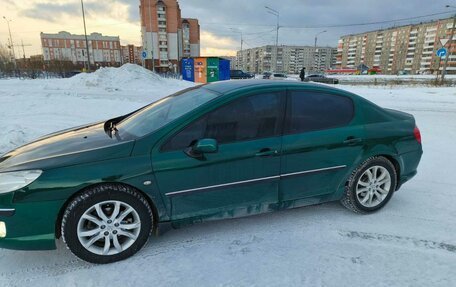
(129, 76)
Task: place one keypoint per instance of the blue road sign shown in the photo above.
(144, 54)
(442, 52)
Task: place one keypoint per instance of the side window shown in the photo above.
(312, 111)
(248, 118)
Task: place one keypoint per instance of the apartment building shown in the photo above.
(63, 46)
(166, 36)
(131, 54)
(290, 59)
(409, 48)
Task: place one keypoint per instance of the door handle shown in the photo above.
(267, 152)
(352, 140)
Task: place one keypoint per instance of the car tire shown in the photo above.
(370, 186)
(107, 223)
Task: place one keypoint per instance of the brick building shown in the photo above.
(63, 46)
(409, 48)
(131, 54)
(166, 36)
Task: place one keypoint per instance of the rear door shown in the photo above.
(323, 136)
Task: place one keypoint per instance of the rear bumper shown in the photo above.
(29, 226)
(409, 165)
(404, 178)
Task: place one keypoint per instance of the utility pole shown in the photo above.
(242, 43)
(315, 49)
(85, 34)
(277, 14)
(450, 41)
(23, 49)
(11, 44)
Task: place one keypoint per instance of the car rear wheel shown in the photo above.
(107, 223)
(370, 186)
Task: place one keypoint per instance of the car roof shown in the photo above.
(224, 87)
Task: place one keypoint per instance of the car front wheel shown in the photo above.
(107, 223)
(370, 186)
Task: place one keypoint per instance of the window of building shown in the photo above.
(312, 111)
(249, 118)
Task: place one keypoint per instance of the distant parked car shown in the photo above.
(278, 76)
(266, 75)
(239, 74)
(321, 79)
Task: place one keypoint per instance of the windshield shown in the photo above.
(162, 112)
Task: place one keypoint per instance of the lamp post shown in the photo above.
(450, 41)
(242, 43)
(315, 49)
(11, 43)
(85, 34)
(277, 14)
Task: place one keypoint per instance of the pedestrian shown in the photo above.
(302, 75)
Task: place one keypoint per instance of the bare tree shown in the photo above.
(4, 54)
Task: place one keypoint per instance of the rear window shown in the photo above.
(312, 111)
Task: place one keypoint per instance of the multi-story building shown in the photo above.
(166, 37)
(290, 59)
(131, 54)
(63, 46)
(410, 48)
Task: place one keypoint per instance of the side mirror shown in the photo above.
(201, 147)
(206, 146)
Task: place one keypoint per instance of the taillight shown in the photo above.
(417, 134)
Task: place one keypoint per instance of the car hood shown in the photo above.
(68, 147)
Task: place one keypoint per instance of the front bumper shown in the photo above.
(29, 226)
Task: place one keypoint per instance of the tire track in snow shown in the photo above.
(395, 239)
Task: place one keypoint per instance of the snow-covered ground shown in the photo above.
(411, 242)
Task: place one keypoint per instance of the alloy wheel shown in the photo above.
(373, 186)
(109, 227)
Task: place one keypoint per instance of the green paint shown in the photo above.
(384, 132)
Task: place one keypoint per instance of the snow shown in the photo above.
(411, 242)
(389, 77)
(33, 108)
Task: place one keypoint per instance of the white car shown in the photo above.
(278, 76)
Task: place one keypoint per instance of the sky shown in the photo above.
(222, 21)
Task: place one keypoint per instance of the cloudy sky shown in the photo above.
(221, 20)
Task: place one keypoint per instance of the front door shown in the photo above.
(242, 177)
(322, 138)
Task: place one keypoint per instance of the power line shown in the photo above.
(368, 23)
(330, 25)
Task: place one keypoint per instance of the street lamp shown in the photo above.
(11, 44)
(242, 42)
(277, 14)
(85, 34)
(450, 41)
(315, 49)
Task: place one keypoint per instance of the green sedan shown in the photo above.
(215, 151)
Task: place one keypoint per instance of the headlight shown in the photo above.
(11, 181)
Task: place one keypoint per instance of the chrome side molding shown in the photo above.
(211, 187)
